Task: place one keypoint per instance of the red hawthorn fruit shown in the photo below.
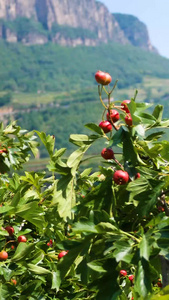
(107, 153)
(22, 239)
(128, 120)
(120, 177)
(159, 283)
(124, 105)
(61, 254)
(50, 243)
(12, 247)
(106, 126)
(10, 230)
(137, 176)
(123, 273)
(160, 208)
(4, 150)
(131, 278)
(3, 255)
(14, 281)
(103, 77)
(113, 115)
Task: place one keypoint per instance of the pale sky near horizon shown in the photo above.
(154, 13)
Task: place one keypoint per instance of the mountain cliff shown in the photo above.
(65, 22)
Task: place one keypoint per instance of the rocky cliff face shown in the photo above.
(90, 22)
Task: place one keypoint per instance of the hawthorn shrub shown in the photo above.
(87, 235)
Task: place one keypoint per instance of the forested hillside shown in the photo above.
(54, 68)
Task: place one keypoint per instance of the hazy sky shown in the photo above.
(154, 13)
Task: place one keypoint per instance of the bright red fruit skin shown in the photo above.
(61, 254)
(120, 177)
(106, 126)
(114, 115)
(22, 239)
(3, 255)
(124, 105)
(103, 77)
(128, 120)
(123, 273)
(131, 278)
(107, 153)
(10, 230)
(137, 176)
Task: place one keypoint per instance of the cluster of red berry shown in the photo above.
(20, 239)
(120, 176)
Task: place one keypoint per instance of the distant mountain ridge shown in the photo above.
(68, 23)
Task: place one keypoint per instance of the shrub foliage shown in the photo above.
(104, 227)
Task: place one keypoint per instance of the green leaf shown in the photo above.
(75, 159)
(64, 196)
(32, 213)
(128, 149)
(94, 128)
(23, 250)
(82, 139)
(84, 225)
(48, 141)
(123, 251)
(142, 278)
(56, 281)
(97, 266)
(158, 112)
(105, 227)
(144, 248)
(66, 262)
(38, 270)
(85, 173)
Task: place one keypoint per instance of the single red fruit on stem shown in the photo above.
(113, 115)
(10, 230)
(123, 273)
(131, 278)
(124, 105)
(159, 283)
(3, 255)
(103, 77)
(14, 281)
(137, 176)
(128, 120)
(61, 254)
(120, 177)
(106, 126)
(12, 247)
(107, 153)
(22, 239)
